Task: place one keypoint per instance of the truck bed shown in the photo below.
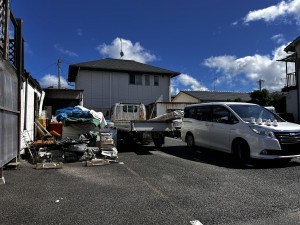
(143, 125)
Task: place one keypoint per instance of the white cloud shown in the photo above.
(187, 81)
(282, 10)
(65, 51)
(131, 51)
(251, 68)
(278, 39)
(52, 80)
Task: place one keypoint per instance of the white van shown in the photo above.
(244, 129)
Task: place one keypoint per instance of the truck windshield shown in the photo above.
(248, 112)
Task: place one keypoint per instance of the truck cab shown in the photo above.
(127, 111)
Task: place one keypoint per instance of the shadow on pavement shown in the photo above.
(222, 159)
(137, 149)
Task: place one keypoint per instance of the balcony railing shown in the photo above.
(291, 80)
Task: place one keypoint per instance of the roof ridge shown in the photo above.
(217, 91)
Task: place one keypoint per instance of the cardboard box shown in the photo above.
(101, 144)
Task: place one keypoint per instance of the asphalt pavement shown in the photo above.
(172, 185)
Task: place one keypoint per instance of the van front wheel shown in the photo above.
(190, 141)
(241, 151)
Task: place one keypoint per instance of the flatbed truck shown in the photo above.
(137, 129)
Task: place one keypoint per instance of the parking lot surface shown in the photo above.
(172, 185)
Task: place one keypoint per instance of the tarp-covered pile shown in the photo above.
(84, 138)
(78, 120)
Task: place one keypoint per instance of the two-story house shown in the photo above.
(108, 81)
(292, 78)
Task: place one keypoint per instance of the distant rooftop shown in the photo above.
(218, 95)
(118, 65)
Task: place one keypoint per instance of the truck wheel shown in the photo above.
(190, 141)
(158, 142)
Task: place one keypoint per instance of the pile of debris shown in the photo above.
(84, 138)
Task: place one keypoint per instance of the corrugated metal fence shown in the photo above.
(11, 68)
(9, 114)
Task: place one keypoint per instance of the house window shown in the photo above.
(131, 79)
(135, 79)
(156, 80)
(138, 79)
(147, 80)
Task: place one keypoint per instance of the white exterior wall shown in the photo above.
(30, 112)
(103, 89)
(291, 102)
(182, 97)
(297, 117)
(163, 107)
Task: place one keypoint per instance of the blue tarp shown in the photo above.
(62, 114)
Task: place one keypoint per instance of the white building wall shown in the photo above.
(291, 103)
(182, 97)
(103, 89)
(30, 113)
(297, 48)
(165, 107)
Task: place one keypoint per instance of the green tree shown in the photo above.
(262, 97)
(278, 100)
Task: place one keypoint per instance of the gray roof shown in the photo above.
(118, 65)
(291, 46)
(219, 95)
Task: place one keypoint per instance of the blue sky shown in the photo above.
(215, 45)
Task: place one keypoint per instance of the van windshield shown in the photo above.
(248, 112)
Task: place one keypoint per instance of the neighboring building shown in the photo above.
(159, 108)
(109, 81)
(61, 98)
(32, 97)
(211, 96)
(292, 79)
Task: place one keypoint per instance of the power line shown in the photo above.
(52, 64)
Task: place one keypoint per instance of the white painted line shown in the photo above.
(196, 222)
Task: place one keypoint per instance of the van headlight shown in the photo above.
(262, 131)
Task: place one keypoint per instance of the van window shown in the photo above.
(190, 112)
(203, 113)
(246, 112)
(222, 115)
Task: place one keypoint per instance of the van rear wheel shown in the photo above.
(190, 141)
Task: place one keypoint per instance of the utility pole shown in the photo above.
(58, 73)
(260, 81)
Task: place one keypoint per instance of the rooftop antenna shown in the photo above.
(121, 52)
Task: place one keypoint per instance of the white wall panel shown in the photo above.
(103, 89)
(291, 102)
